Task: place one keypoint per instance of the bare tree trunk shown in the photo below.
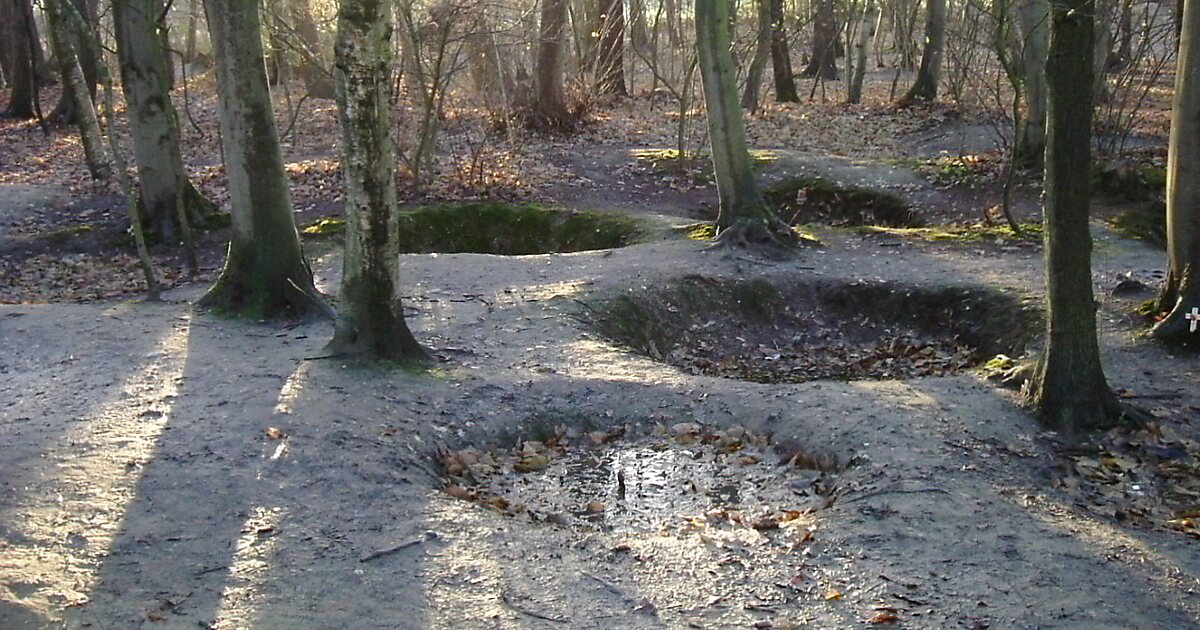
(1103, 47)
(1068, 388)
(265, 273)
(611, 70)
(492, 80)
(21, 72)
(823, 63)
(781, 57)
(317, 79)
(639, 31)
(1035, 35)
(866, 32)
(743, 218)
(64, 110)
(75, 86)
(1181, 290)
(925, 87)
(165, 192)
(762, 54)
(371, 323)
(549, 109)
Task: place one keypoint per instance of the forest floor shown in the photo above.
(162, 468)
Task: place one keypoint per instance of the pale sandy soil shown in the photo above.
(139, 486)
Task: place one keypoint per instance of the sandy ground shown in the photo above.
(141, 485)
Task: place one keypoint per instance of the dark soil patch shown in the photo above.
(812, 200)
(763, 332)
(502, 229)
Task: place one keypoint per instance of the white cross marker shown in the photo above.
(1194, 318)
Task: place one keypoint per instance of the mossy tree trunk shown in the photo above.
(75, 86)
(265, 272)
(64, 111)
(929, 73)
(1030, 149)
(781, 57)
(1181, 290)
(866, 32)
(762, 54)
(549, 108)
(1068, 388)
(611, 69)
(743, 217)
(823, 63)
(166, 197)
(371, 322)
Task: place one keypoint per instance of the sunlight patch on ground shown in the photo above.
(464, 582)
(292, 387)
(248, 571)
(92, 472)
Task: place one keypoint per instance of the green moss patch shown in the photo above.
(324, 227)
(813, 200)
(502, 229)
(62, 235)
(512, 230)
(769, 332)
(1146, 223)
(707, 231)
(1030, 233)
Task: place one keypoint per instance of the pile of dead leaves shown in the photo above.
(1147, 477)
(895, 357)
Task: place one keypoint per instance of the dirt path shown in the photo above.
(163, 468)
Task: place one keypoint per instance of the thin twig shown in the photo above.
(525, 611)
(386, 551)
(895, 491)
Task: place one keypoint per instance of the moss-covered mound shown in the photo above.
(813, 200)
(760, 331)
(1146, 223)
(507, 230)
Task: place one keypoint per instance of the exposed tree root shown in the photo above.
(763, 234)
(1175, 328)
(245, 294)
(352, 342)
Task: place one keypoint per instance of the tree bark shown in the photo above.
(611, 70)
(371, 323)
(1103, 42)
(929, 73)
(781, 57)
(165, 194)
(318, 82)
(549, 108)
(21, 75)
(1068, 388)
(1035, 35)
(1181, 289)
(743, 218)
(762, 54)
(823, 63)
(866, 32)
(64, 110)
(265, 275)
(75, 86)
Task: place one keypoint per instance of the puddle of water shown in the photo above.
(628, 488)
